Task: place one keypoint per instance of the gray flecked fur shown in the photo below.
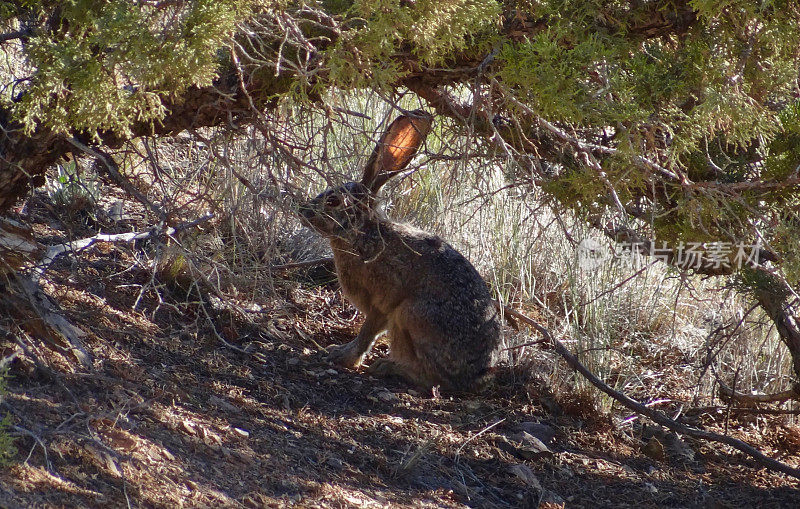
(442, 322)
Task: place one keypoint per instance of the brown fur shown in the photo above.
(443, 326)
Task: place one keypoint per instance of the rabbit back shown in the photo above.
(441, 318)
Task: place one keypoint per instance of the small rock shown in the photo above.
(245, 458)
(678, 449)
(335, 462)
(472, 405)
(672, 447)
(525, 473)
(543, 432)
(529, 447)
(293, 361)
(551, 499)
(218, 402)
(241, 432)
(331, 372)
(387, 397)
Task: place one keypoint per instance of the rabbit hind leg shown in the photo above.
(402, 361)
(388, 367)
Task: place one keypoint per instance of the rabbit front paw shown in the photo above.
(346, 355)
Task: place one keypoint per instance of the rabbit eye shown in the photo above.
(333, 201)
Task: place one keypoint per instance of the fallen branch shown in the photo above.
(19, 430)
(40, 316)
(765, 411)
(57, 250)
(300, 265)
(729, 394)
(758, 411)
(654, 415)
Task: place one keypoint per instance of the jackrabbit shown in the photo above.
(443, 326)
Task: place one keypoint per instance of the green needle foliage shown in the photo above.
(102, 65)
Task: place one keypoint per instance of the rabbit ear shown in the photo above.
(396, 148)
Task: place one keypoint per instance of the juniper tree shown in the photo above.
(671, 121)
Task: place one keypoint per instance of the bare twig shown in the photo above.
(57, 250)
(476, 435)
(116, 176)
(213, 327)
(300, 265)
(735, 187)
(36, 440)
(653, 414)
(588, 148)
(765, 411)
(729, 394)
(62, 332)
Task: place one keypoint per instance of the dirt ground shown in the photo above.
(170, 416)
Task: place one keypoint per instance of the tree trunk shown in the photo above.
(786, 322)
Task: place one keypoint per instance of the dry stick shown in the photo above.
(116, 176)
(476, 435)
(36, 440)
(653, 414)
(57, 250)
(728, 393)
(299, 265)
(585, 147)
(764, 411)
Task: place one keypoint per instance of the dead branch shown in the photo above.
(652, 413)
(19, 430)
(735, 187)
(34, 310)
(75, 246)
(716, 409)
(764, 411)
(728, 394)
(113, 171)
(18, 246)
(588, 148)
(300, 265)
